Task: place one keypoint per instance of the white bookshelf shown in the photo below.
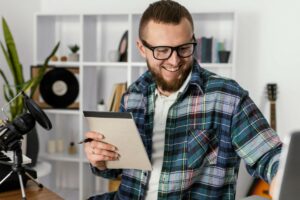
(98, 35)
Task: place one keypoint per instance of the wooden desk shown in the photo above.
(33, 192)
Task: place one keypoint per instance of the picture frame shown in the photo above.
(37, 97)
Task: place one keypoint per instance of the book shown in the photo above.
(206, 49)
(115, 101)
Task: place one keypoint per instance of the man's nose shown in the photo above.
(174, 58)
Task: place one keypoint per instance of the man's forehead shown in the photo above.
(164, 32)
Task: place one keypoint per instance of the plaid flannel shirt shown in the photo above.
(211, 126)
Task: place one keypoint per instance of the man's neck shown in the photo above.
(164, 93)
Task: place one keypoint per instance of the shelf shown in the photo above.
(62, 111)
(204, 65)
(99, 36)
(65, 64)
(105, 64)
(216, 65)
(139, 64)
(60, 157)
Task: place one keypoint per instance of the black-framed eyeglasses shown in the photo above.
(165, 52)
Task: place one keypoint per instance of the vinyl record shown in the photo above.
(59, 88)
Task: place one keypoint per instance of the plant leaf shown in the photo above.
(42, 70)
(12, 52)
(7, 58)
(11, 94)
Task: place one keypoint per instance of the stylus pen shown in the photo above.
(85, 140)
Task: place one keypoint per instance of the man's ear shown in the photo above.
(141, 48)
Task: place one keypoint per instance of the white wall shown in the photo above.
(19, 15)
(268, 42)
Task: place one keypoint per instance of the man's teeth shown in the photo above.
(171, 69)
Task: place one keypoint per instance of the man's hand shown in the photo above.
(274, 185)
(97, 151)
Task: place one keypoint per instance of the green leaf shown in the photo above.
(12, 52)
(6, 97)
(4, 77)
(10, 92)
(7, 94)
(6, 55)
(42, 70)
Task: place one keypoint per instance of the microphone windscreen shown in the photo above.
(37, 113)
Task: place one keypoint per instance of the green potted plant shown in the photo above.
(12, 89)
(19, 84)
(73, 56)
(223, 54)
(101, 105)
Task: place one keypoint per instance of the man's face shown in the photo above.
(169, 74)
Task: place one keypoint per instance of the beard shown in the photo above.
(167, 85)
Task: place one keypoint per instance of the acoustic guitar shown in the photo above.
(260, 187)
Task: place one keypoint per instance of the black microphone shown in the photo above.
(24, 123)
(11, 133)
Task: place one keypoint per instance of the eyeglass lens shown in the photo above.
(183, 51)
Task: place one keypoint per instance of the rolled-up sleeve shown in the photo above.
(254, 140)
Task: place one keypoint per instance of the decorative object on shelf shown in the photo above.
(63, 58)
(204, 48)
(101, 105)
(54, 58)
(51, 146)
(223, 55)
(59, 145)
(72, 148)
(123, 47)
(115, 100)
(59, 88)
(11, 90)
(74, 56)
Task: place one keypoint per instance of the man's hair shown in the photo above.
(164, 11)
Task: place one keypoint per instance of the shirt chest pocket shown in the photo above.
(202, 146)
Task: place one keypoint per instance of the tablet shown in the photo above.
(119, 129)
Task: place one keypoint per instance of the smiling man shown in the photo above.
(196, 126)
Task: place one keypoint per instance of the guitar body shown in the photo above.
(259, 186)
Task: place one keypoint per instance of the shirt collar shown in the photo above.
(181, 89)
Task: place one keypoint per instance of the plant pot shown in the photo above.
(224, 56)
(73, 57)
(101, 107)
